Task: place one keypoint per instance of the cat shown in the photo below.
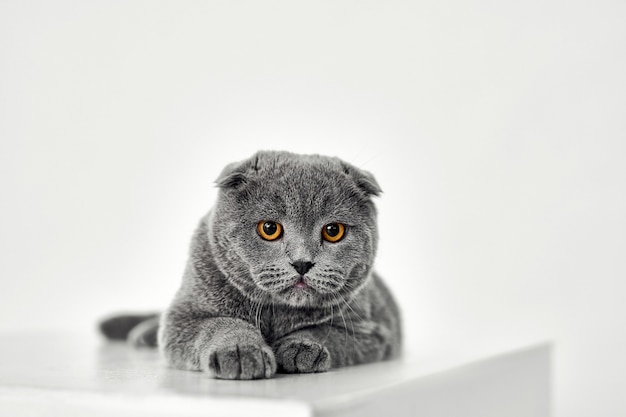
(279, 276)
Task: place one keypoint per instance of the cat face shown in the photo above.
(295, 229)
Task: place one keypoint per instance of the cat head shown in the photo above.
(295, 229)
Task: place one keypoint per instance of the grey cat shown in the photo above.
(279, 276)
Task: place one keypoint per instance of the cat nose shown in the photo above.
(302, 267)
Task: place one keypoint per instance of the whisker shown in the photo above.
(350, 307)
(330, 327)
(345, 326)
(356, 343)
(358, 304)
(259, 311)
(251, 309)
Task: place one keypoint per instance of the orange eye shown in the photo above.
(333, 232)
(269, 230)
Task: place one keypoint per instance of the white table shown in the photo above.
(60, 374)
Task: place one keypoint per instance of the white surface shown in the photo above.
(496, 129)
(60, 374)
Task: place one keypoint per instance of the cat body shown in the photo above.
(280, 277)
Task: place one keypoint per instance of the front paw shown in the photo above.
(299, 355)
(240, 362)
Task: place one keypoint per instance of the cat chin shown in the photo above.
(305, 298)
(296, 296)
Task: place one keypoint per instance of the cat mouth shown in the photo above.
(299, 288)
(301, 283)
(299, 293)
(304, 291)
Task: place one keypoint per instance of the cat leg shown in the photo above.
(319, 348)
(223, 347)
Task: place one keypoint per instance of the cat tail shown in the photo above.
(139, 330)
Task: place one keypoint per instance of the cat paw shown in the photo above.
(241, 362)
(301, 356)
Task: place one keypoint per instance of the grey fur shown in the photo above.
(238, 313)
(119, 327)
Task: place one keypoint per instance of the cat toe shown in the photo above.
(241, 362)
(302, 356)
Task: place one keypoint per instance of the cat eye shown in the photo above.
(333, 232)
(269, 230)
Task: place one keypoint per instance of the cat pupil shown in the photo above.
(270, 228)
(332, 230)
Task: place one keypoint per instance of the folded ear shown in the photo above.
(364, 179)
(233, 176)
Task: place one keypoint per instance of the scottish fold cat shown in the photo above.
(279, 276)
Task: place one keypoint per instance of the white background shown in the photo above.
(496, 129)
